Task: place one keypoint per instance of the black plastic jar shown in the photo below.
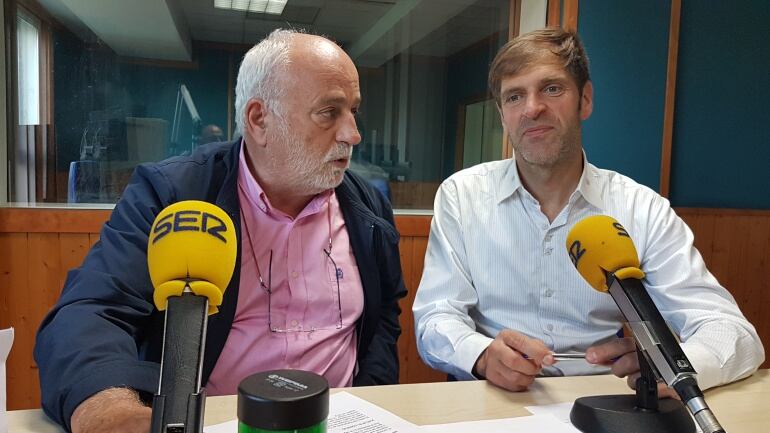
(283, 401)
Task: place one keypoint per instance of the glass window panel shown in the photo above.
(28, 70)
(122, 96)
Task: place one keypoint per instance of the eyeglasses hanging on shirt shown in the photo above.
(268, 287)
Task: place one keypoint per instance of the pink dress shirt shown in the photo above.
(304, 292)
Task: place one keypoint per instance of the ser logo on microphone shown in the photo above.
(189, 220)
(576, 251)
(621, 230)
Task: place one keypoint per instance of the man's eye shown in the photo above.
(514, 98)
(553, 89)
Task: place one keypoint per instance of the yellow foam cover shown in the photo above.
(598, 245)
(191, 242)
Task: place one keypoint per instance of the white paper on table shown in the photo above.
(540, 423)
(6, 341)
(347, 414)
(559, 410)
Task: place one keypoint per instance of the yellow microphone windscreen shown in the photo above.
(598, 245)
(191, 242)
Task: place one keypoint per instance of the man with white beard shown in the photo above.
(318, 275)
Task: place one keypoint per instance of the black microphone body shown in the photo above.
(179, 404)
(660, 347)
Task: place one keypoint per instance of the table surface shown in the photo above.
(741, 407)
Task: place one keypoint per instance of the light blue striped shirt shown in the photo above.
(494, 261)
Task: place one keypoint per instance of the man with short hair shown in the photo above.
(318, 275)
(499, 295)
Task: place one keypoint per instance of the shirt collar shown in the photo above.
(588, 186)
(510, 182)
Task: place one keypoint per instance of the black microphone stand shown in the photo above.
(640, 413)
(178, 406)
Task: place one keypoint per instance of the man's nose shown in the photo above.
(348, 132)
(534, 107)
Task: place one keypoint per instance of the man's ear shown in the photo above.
(587, 101)
(255, 115)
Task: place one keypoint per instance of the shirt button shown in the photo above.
(548, 238)
(294, 323)
(549, 327)
(548, 293)
(548, 251)
(294, 274)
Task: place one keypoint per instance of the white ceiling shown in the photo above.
(372, 31)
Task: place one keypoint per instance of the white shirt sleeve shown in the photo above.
(446, 335)
(716, 337)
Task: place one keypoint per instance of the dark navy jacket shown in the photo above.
(105, 332)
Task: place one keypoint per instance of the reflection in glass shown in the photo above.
(123, 88)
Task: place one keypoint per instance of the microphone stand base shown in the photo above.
(620, 414)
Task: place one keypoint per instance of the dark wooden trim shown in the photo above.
(513, 31)
(670, 99)
(570, 19)
(413, 225)
(507, 147)
(32, 7)
(41, 220)
(514, 19)
(554, 13)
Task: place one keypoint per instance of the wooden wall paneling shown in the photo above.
(756, 297)
(413, 225)
(92, 239)
(412, 368)
(405, 319)
(17, 302)
(720, 252)
(23, 220)
(735, 245)
(745, 263)
(13, 270)
(73, 248)
(43, 276)
(756, 257)
(736, 248)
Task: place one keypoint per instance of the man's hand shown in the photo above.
(620, 355)
(116, 410)
(504, 364)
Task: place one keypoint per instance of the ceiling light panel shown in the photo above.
(274, 7)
